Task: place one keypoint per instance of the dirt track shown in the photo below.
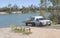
(52, 26)
(37, 32)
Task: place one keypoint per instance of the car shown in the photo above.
(38, 21)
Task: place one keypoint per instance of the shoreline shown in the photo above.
(5, 13)
(2, 13)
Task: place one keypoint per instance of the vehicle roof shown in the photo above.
(37, 16)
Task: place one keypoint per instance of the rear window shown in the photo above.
(42, 18)
(32, 19)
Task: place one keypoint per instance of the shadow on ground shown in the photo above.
(48, 27)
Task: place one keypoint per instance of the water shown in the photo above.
(14, 19)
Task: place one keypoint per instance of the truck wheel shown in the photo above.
(40, 24)
(33, 24)
(49, 24)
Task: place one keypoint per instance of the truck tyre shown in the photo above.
(33, 24)
(49, 24)
(40, 24)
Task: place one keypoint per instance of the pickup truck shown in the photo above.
(38, 21)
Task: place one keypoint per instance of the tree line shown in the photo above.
(10, 8)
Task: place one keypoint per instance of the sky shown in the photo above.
(20, 3)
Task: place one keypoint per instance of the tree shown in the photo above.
(43, 3)
(9, 9)
(15, 7)
(33, 8)
(23, 9)
(55, 13)
(54, 2)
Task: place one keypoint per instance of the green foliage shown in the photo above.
(55, 17)
(14, 8)
(9, 9)
(42, 12)
(54, 2)
(29, 9)
(42, 1)
(43, 7)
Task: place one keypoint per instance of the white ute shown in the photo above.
(39, 20)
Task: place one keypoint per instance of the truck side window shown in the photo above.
(37, 19)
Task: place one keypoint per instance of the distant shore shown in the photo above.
(18, 12)
(3, 13)
(11, 13)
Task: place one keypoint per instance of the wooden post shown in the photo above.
(29, 29)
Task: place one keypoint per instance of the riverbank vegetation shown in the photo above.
(54, 10)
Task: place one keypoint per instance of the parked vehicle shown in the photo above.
(38, 21)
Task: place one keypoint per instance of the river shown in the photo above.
(14, 19)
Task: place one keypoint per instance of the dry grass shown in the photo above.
(23, 30)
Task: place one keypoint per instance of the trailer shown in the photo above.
(30, 22)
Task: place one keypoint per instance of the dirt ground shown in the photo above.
(37, 32)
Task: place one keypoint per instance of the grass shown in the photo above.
(23, 30)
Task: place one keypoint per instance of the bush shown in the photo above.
(23, 30)
(55, 17)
